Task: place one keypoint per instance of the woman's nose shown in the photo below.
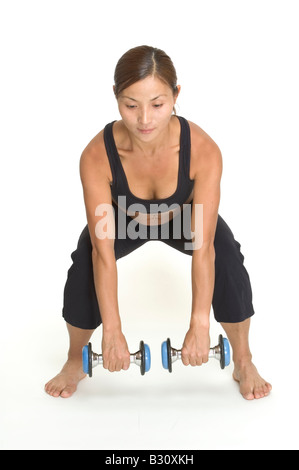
(144, 117)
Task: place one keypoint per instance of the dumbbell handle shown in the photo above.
(97, 359)
(176, 354)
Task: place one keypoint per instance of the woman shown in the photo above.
(154, 158)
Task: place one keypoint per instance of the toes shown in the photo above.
(53, 392)
(267, 389)
(49, 388)
(61, 391)
(52, 389)
(263, 391)
(248, 396)
(67, 392)
(247, 393)
(252, 386)
(259, 393)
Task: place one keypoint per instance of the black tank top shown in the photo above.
(120, 186)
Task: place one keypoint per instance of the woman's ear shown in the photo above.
(178, 88)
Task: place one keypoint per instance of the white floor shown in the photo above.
(192, 408)
(51, 109)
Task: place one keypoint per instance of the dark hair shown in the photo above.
(141, 62)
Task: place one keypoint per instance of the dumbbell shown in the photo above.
(141, 358)
(221, 352)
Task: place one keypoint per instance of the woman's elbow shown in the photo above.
(206, 251)
(103, 254)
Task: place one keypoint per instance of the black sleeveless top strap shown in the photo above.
(120, 186)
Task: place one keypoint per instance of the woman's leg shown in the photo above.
(66, 382)
(252, 385)
(81, 311)
(232, 305)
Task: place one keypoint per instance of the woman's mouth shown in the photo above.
(145, 131)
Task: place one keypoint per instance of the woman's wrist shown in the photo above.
(200, 320)
(112, 327)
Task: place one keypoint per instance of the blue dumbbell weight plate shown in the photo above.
(147, 358)
(164, 355)
(226, 352)
(86, 359)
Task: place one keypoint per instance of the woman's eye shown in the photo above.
(132, 106)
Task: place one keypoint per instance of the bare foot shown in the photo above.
(252, 386)
(65, 384)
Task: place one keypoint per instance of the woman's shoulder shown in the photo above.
(95, 146)
(200, 139)
(94, 156)
(205, 152)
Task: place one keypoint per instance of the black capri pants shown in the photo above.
(232, 298)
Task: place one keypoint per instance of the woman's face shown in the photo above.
(146, 107)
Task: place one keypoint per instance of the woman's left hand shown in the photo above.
(196, 347)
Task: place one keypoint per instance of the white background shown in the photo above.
(237, 62)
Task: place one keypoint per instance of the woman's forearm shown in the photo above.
(203, 282)
(105, 279)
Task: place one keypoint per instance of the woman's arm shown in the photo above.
(94, 172)
(207, 169)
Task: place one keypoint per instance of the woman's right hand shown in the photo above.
(115, 352)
